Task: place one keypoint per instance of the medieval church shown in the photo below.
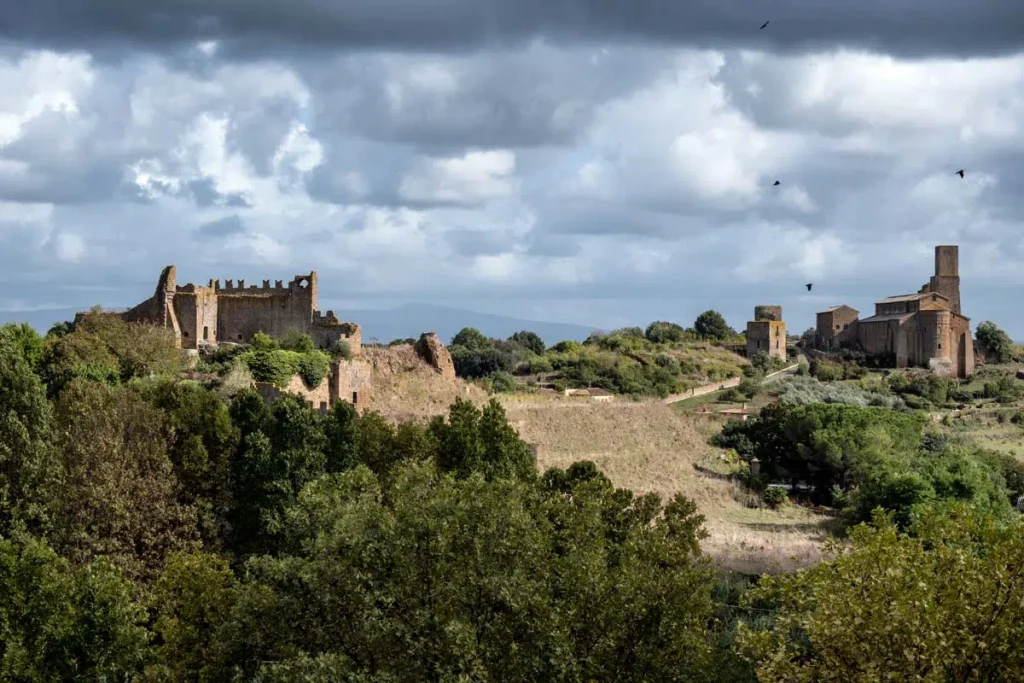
(926, 329)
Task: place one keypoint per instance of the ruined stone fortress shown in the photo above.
(207, 316)
(925, 329)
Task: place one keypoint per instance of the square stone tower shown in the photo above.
(767, 332)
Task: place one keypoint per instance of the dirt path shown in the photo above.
(726, 384)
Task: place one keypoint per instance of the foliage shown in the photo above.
(804, 390)
(26, 340)
(342, 349)
(293, 340)
(313, 367)
(775, 497)
(487, 581)
(711, 325)
(471, 339)
(995, 341)
(502, 382)
(943, 604)
(64, 623)
(480, 441)
(264, 342)
(201, 444)
(279, 366)
(118, 495)
(530, 341)
(660, 332)
(824, 445)
(751, 383)
(106, 348)
(29, 464)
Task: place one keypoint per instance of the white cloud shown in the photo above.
(556, 165)
(69, 247)
(475, 177)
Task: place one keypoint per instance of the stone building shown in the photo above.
(347, 380)
(211, 314)
(766, 333)
(926, 329)
(836, 327)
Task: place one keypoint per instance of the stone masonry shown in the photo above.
(212, 314)
(925, 329)
(767, 332)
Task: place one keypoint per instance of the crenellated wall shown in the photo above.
(236, 311)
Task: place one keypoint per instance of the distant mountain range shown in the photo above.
(408, 320)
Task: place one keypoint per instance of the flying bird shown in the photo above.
(764, 24)
(809, 285)
(960, 173)
(776, 183)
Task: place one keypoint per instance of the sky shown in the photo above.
(599, 162)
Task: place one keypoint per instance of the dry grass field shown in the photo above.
(651, 447)
(645, 446)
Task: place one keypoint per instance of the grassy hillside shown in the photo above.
(629, 361)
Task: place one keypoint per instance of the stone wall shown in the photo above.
(235, 312)
(766, 336)
(835, 328)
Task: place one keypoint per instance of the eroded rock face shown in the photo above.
(434, 354)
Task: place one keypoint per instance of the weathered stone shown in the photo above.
(206, 316)
(432, 351)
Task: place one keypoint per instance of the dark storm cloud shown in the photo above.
(220, 228)
(531, 97)
(936, 27)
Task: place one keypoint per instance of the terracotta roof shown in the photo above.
(886, 318)
(909, 297)
(830, 309)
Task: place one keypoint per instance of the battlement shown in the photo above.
(328, 318)
(300, 283)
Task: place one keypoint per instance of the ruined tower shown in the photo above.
(767, 332)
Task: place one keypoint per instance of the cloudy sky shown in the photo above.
(594, 161)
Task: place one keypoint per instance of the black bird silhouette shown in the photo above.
(764, 24)
(809, 285)
(960, 173)
(776, 183)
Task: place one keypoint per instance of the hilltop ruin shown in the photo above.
(213, 314)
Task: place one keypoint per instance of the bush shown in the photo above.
(750, 385)
(264, 342)
(313, 367)
(733, 395)
(660, 332)
(342, 349)
(826, 371)
(775, 497)
(502, 382)
(297, 341)
(805, 390)
(996, 342)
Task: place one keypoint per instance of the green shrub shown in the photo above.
(775, 497)
(502, 382)
(733, 395)
(313, 367)
(264, 342)
(297, 341)
(804, 390)
(276, 367)
(342, 349)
